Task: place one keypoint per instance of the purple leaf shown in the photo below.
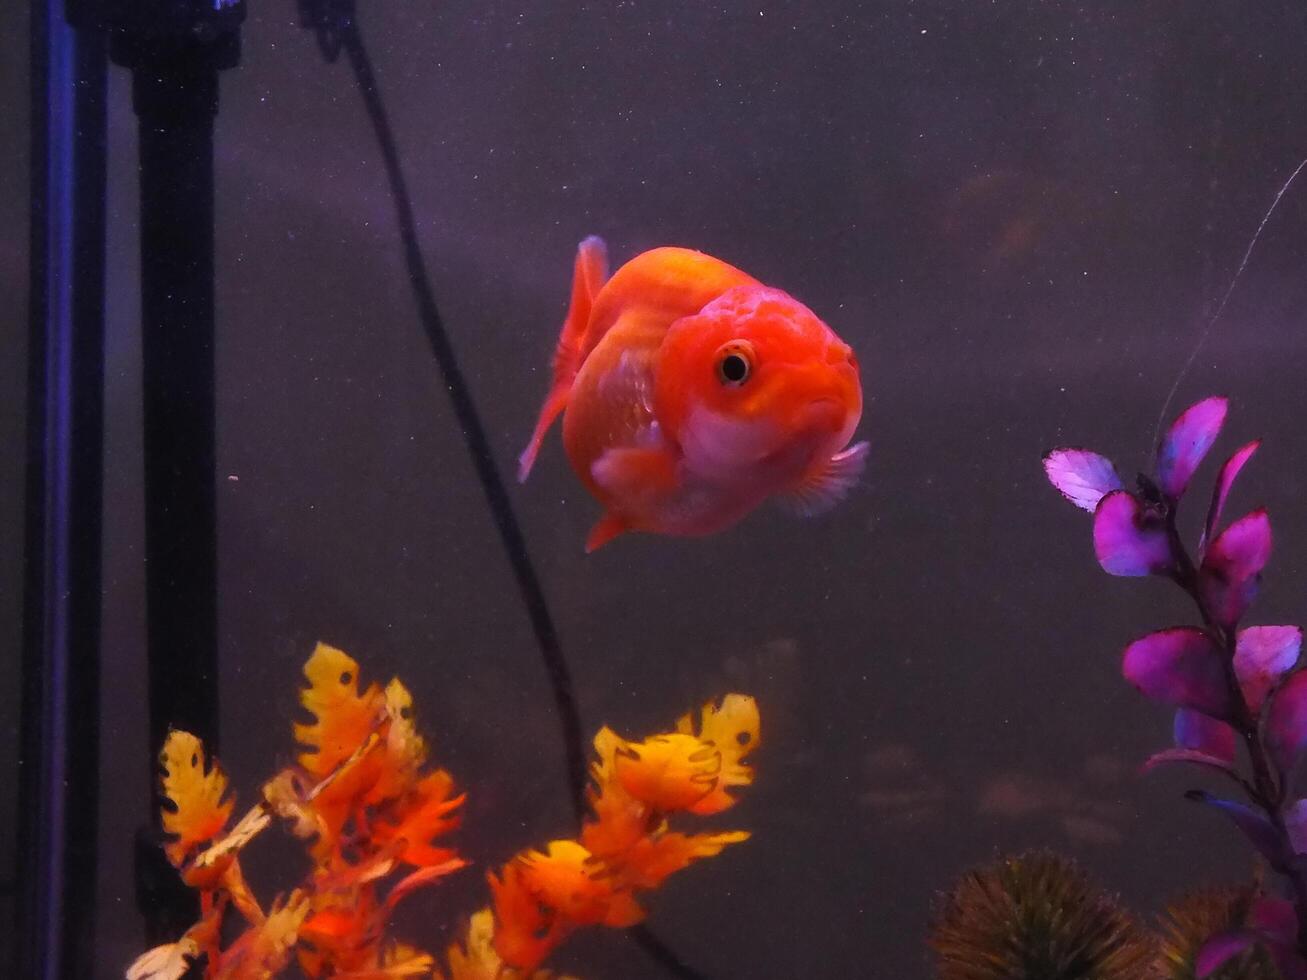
(1194, 730)
(1276, 921)
(1083, 477)
(1232, 567)
(1187, 755)
(1274, 918)
(1295, 825)
(1128, 539)
(1229, 470)
(1222, 947)
(1286, 721)
(1288, 961)
(1273, 924)
(1251, 822)
(1187, 442)
(1261, 655)
(1179, 666)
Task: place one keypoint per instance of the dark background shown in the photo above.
(1019, 214)
(13, 407)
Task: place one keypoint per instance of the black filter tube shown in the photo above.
(176, 100)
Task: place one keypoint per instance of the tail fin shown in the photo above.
(588, 276)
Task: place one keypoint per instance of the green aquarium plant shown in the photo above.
(1230, 685)
(1036, 916)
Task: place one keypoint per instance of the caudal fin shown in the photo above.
(588, 276)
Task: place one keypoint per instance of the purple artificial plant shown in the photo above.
(1228, 685)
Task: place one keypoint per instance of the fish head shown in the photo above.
(756, 387)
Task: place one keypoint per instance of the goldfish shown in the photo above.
(691, 393)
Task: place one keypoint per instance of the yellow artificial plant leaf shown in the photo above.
(233, 882)
(399, 960)
(526, 931)
(669, 772)
(211, 865)
(285, 794)
(734, 729)
(404, 751)
(414, 822)
(420, 878)
(265, 949)
(620, 820)
(567, 878)
(173, 961)
(167, 962)
(649, 866)
(196, 794)
(344, 718)
(342, 929)
(476, 958)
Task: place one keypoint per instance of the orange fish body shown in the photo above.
(693, 393)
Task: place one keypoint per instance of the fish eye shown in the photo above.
(734, 363)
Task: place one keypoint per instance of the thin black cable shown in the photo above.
(342, 33)
(474, 433)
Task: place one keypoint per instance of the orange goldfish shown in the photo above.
(693, 393)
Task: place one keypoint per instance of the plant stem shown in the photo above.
(1267, 792)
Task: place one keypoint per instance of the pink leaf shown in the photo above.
(1179, 666)
(1232, 567)
(1187, 442)
(1129, 540)
(1286, 721)
(1224, 480)
(1262, 654)
(1197, 732)
(1083, 477)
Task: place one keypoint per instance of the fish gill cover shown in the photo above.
(374, 815)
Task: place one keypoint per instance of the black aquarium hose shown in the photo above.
(346, 37)
(336, 30)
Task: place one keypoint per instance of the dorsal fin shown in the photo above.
(827, 484)
(588, 276)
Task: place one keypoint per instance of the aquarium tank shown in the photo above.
(624, 490)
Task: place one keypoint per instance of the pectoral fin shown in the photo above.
(632, 473)
(826, 484)
(609, 527)
(634, 478)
